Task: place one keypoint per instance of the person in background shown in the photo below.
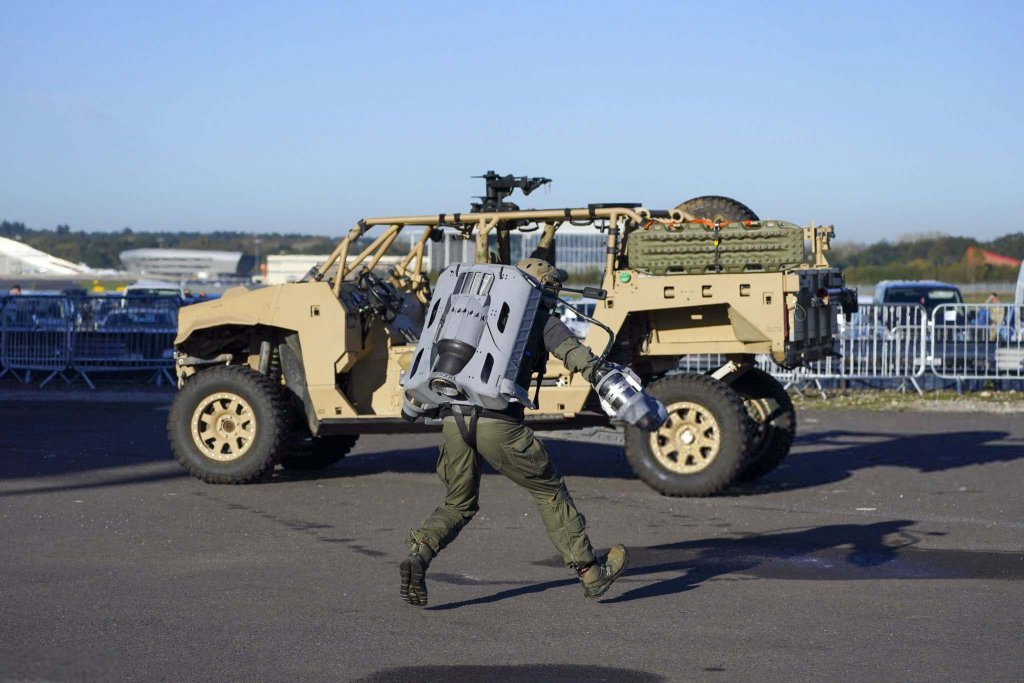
(9, 312)
(996, 316)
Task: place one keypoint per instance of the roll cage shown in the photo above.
(616, 220)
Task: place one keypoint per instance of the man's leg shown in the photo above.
(458, 467)
(512, 449)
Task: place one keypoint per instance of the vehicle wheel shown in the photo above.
(774, 418)
(229, 425)
(716, 208)
(700, 448)
(312, 453)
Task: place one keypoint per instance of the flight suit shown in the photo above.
(511, 448)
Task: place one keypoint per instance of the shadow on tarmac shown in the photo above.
(835, 456)
(836, 552)
(441, 673)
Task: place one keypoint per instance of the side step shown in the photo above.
(396, 425)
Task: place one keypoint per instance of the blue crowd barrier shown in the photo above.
(73, 336)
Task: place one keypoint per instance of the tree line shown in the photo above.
(926, 257)
(935, 256)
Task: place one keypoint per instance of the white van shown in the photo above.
(1018, 307)
(1010, 358)
(154, 288)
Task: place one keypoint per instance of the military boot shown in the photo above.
(599, 577)
(413, 572)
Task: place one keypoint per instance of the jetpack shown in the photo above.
(472, 346)
(473, 340)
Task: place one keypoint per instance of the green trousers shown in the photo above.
(512, 450)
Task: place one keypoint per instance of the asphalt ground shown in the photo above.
(890, 546)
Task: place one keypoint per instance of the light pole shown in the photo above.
(256, 240)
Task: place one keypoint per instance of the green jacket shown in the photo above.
(550, 335)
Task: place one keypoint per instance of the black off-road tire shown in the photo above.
(774, 419)
(313, 453)
(701, 405)
(717, 208)
(265, 415)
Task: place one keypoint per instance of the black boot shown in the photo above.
(413, 571)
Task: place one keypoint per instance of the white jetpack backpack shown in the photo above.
(473, 340)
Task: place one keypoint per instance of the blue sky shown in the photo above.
(886, 119)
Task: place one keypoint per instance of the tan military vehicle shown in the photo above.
(293, 374)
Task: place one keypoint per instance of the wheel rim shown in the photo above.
(690, 439)
(223, 426)
(759, 414)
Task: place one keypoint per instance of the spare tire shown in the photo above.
(715, 208)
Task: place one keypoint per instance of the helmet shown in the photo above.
(542, 271)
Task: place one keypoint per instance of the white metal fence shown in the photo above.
(878, 342)
(905, 345)
(976, 341)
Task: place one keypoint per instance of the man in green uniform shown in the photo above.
(511, 448)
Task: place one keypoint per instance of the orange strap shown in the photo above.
(708, 224)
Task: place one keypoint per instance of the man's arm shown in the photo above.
(619, 389)
(561, 343)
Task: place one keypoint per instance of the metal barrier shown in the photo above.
(879, 342)
(71, 337)
(976, 342)
(82, 335)
(125, 333)
(35, 336)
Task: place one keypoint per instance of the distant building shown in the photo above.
(20, 259)
(182, 264)
(283, 268)
(579, 249)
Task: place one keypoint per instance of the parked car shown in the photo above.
(952, 341)
(927, 293)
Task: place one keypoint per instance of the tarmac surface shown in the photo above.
(888, 547)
